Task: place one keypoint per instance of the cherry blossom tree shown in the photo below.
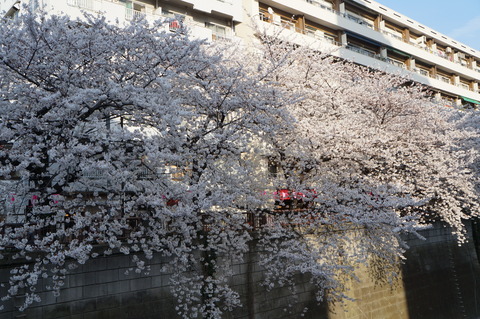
(372, 143)
(125, 140)
(144, 142)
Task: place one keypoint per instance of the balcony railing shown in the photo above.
(308, 32)
(132, 14)
(363, 22)
(392, 35)
(422, 72)
(83, 4)
(320, 4)
(444, 79)
(396, 63)
(446, 102)
(360, 50)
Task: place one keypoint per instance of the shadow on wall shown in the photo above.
(439, 280)
(442, 279)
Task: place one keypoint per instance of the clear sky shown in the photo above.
(459, 19)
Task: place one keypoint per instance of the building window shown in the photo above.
(174, 25)
(218, 32)
(175, 20)
(273, 167)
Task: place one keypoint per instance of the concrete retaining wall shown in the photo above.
(438, 280)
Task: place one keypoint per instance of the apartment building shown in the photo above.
(208, 19)
(373, 35)
(363, 31)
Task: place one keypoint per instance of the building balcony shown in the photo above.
(421, 72)
(363, 51)
(119, 12)
(444, 79)
(396, 63)
(334, 18)
(298, 36)
(363, 56)
(231, 8)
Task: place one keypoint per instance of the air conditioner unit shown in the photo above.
(449, 50)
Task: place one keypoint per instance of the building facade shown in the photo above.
(363, 31)
(373, 35)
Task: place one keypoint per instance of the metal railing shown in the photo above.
(363, 22)
(396, 63)
(422, 72)
(132, 14)
(444, 79)
(83, 4)
(308, 32)
(392, 35)
(360, 50)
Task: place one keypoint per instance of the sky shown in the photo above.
(458, 19)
